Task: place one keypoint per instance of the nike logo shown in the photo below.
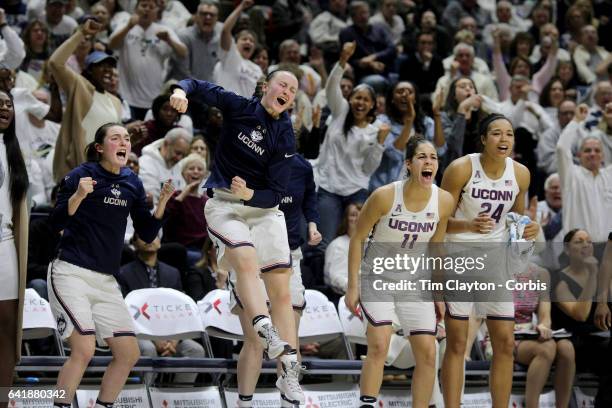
(396, 215)
(289, 155)
(476, 181)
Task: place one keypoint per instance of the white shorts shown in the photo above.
(233, 224)
(296, 287)
(413, 317)
(488, 310)
(88, 301)
(9, 273)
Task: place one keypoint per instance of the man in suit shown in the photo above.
(147, 272)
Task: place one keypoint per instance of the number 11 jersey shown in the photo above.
(407, 227)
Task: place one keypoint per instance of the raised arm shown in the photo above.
(116, 39)
(170, 38)
(64, 76)
(581, 59)
(541, 78)
(499, 68)
(230, 22)
(335, 100)
(206, 92)
(565, 162)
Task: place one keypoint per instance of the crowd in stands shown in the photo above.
(430, 68)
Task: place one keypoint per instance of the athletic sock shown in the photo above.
(367, 401)
(259, 318)
(245, 401)
(100, 404)
(288, 358)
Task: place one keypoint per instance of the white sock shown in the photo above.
(245, 401)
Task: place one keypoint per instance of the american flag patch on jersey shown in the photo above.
(429, 215)
(508, 183)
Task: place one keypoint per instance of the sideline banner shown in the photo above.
(264, 397)
(477, 400)
(132, 396)
(583, 400)
(317, 396)
(205, 397)
(399, 398)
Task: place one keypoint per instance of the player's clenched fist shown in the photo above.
(86, 186)
(178, 100)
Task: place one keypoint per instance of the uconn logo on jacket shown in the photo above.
(115, 198)
(253, 138)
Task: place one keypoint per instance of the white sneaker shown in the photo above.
(288, 383)
(273, 345)
(287, 404)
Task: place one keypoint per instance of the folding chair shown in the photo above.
(354, 326)
(38, 320)
(320, 321)
(217, 319)
(166, 314)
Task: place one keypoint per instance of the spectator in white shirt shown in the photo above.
(549, 36)
(235, 71)
(159, 160)
(202, 42)
(289, 52)
(174, 14)
(12, 50)
(352, 149)
(522, 112)
(325, 29)
(60, 25)
(552, 202)
(463, 66)
(388, 18)
(591, 60)
(144, 47)
(586, 188)
(547, 144)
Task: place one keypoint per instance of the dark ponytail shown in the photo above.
(18, 173)
(413, 144)
(91, 153)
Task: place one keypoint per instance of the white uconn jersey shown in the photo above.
(483, 195)
(407, 227)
